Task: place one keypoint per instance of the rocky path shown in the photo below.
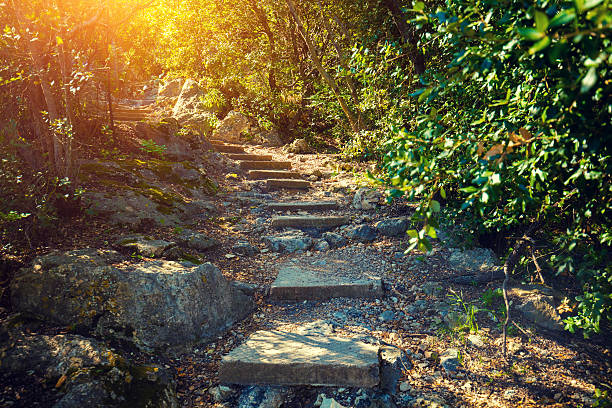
(345, 318)
(290, 287)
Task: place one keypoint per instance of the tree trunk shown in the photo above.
(313, 51)
(263, 20)
(342, 59)
(400, 20)
(45, 85)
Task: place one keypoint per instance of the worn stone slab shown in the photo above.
(292, 184)
(250, 157)
(309, 221)
(264, 165)
(323, 282)
(284, 358)
(273, 174)
(153, 248)
(304, 205)
(228, 149)
(130, 117)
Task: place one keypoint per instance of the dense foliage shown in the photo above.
(513, 129)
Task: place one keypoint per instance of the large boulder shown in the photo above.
(191, 112)
(189, 98)
(472, 260)
(151, 192)
(366, 199)
(231, 127)
(360, 233)
(130, 208)
(392, 227)
(537, 304)
(170, 89)
(203, 123)
(164, 134)
(85, 372)
(154, 305)
(298, 146)
(266, 137)
(196, 240)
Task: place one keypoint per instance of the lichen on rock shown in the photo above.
(156, 305)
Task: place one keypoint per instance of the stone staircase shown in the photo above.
(124, 113)
(276, 174)
(299, 356)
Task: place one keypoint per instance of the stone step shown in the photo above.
(133, 110)
(228, 149)
(273, 174)
(250, 157)
(291, 184)
(283, 358)
(128, 119)
(309, 221)
(217, 142)
(265, 165)
(131, 114)
(304, 206)
(322, 282)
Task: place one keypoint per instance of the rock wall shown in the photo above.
(154, 305)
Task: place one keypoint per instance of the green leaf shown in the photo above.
(485, 197)
(562, 18)
(435, 206)
(541, 21)
(589, 4)
(431, 231)
(589, 80)
(425, 245)
(579, 4)
(469, 190)
(413, 234)
(540, 45)
(530, 34)
(443, 193)
(419, 6)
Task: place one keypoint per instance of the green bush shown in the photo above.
(513, 128)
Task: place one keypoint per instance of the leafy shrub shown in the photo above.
(513, 129)
(149, 146)
(365, 145)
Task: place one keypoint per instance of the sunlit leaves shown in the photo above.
(589, 80)
(541, 21)
(522, 121)
(562, 18)
(540, 45)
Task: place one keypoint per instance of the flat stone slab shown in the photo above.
(323, 282)
(273, 174)
(304, 205)
(250, 157)
(285, 358)
(309, 221)
(228, 149)
(264, 165)
(274, 184)
(153, 248)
